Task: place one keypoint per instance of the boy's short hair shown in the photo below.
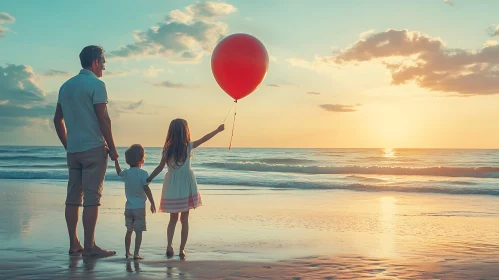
(135, 154)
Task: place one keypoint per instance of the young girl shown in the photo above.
(180, 191)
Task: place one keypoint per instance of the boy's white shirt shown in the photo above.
(135, 180)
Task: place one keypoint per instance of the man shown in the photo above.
(84, 128)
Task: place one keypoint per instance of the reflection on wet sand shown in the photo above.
(136, 265)
(291, 234)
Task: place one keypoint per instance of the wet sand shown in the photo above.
(243, 232)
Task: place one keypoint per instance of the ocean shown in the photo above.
(447, 171)
(271, 213)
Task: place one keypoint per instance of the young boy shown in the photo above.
(136, 191)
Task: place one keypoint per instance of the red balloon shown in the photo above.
(239, 64)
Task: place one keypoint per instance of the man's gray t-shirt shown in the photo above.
(77, 97)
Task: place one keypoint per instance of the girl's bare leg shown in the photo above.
(170, 232)
(184, 219)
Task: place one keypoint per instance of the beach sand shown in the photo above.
(244, 232)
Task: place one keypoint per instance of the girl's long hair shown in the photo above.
(176, 143)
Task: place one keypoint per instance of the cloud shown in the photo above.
(44, 111)
(152, 71)
(184, 36)
(298, 62)
(117, 107)
(135, 105)
(169, 84)
(338, 108)
(23, 104)
(57, 73)
(490, 43)
(5, 18)
(426, 61)
(313, 92)
(116, 74)
(316, 65)
(449, 2)
(367, 33)
(494, 31)
(203, 11)
(9, 124)
(283, 84)
(30, 125)
(18, 85)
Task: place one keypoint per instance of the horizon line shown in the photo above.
(225, 147)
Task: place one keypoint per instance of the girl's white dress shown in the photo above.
(180, 189)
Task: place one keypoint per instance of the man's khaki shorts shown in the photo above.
(135, 219)
(87, 171)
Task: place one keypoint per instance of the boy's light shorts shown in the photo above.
(135, 219)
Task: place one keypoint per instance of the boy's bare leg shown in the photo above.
(128, 240)
(138, 241)
(184, 219)
(169, 233)
(72, 213)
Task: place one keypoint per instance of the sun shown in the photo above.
(389, 153)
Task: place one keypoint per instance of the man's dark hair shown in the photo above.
(89, 54)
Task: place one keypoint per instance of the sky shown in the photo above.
(342, 74)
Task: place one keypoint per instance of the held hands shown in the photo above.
(113, 154)
(221, 128)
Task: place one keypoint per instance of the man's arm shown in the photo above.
(60, 126)
(105, 128)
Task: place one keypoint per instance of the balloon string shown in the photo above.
(230, 109)
(233, 124)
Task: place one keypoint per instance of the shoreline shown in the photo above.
(290, 234)
(312, 267)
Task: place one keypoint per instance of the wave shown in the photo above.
(393, 159)
(33, 158)
(459, 214)
(284, 161)
(479, 172)
(353, 187)
(13, 150)
(366, 179)
(49, 165)
(457, 182)
(442, 187)
(37, 166)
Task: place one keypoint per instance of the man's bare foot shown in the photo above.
(169, 252)
(182, 254)
(98, 252)
(127, 255)
(137, 257)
